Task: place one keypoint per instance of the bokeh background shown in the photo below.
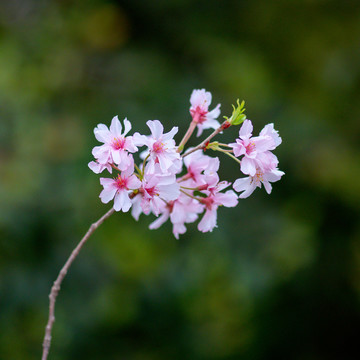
(279, 278)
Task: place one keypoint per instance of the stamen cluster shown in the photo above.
(181, 185)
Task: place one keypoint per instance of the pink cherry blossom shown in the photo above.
(248, 185)
(155, 190)
(251, 148)
(161, 147)
(181, 211)
(116, 146)
(199, 167)
(119, 188)
(213, 200)
(161, 188)
(200, 101)
(269, 130)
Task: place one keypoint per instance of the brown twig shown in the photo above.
(57, 283)
(203, 144)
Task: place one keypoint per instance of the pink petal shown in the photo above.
(267, 186)
(214, 114)
(122, 201)
(159, 221)
(242, 184)
(229, 199)
(263, 143)
(200, 98)
(107, 194)
(246, 129)
(106, 182)
(127, 125)
(116, 156)
(170, 192)
(208, 222)
(101, 153)
(129, 144)
(156, 128)
(133, 182)
(116, 127)
(248, 166)
(139, 139)
(248, 191)
(102, 133)
(169, 135)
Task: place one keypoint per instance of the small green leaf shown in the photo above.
(237, 116)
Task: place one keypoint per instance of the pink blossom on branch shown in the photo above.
(181, 211)
(249, 184)
(198, 167)
(155, 190)
(116, 146)
(251, 148)
(119, 189)
(161, 147)
(160, 186)
(214, 199)
(200, 101)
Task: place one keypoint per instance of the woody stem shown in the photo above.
(203, 144)
(57, 283)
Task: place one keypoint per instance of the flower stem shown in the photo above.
(231, 155)
(57, 283)
(226, 145)
(137, 169)
(143, 167)
(187, 136)
(188, 188)
(184, 177)
(193, 197)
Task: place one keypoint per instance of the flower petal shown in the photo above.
(116, 127)
(246, 129)
(156, 128)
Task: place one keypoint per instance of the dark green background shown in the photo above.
(278, 279)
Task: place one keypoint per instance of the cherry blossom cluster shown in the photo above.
(179, 185)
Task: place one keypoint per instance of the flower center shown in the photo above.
(158, 147)
(152, 191)
(258, 177)
(250, 147)
(198, 115)
(208, 201)
(118, 144)
(121, 183)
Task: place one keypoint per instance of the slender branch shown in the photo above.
(57, 283)
(203, 144)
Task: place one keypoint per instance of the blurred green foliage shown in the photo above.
(279, 278)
